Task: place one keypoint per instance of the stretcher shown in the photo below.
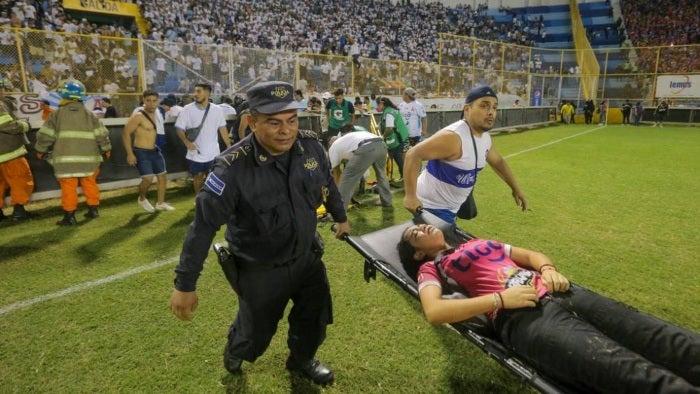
(379, 251)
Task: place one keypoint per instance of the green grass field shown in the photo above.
(84, 309)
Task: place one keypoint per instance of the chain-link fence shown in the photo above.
(37, 61)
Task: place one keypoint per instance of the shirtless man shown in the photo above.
(145, 155)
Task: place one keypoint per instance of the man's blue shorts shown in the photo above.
(149, 162)
(197, 167)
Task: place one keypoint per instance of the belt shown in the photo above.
(369, 141)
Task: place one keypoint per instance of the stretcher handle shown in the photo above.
(343, 236)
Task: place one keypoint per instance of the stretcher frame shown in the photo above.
(379, 247)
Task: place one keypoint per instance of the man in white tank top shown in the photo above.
(452, 168)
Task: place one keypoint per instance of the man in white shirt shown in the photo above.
(204, 148)
(172, 110)
(414, 116)
(227, 106)
(360, 150)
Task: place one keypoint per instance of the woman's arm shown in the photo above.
(540, 262)
(439, 311)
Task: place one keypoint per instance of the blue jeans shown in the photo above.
(589, 341)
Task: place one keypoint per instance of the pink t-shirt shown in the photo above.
(481, 267)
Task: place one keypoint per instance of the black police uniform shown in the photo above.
(269, 206)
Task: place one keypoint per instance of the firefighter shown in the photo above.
(74, 142)
(14, 168)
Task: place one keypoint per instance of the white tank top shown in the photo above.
(446, 184)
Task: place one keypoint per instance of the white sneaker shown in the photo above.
(146, 205)
(164, 206)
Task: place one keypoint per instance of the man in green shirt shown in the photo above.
(340, 112)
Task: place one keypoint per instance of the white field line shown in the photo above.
(98, 282)
(553, 142)
(86, 285)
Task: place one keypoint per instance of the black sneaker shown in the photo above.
(312, 369)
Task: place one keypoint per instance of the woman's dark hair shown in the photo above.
(388, 103)
(410, 264)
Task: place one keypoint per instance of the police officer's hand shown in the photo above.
(342, 228)
(411, 203)
(183, 304)
(107, 154)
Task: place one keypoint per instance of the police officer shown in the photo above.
(266, 189)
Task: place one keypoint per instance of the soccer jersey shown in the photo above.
(413, 113)
(447, 184)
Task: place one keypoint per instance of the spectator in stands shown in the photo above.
(110, 110)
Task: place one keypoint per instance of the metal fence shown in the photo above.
(37, 61)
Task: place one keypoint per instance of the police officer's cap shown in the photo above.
(272, 97)
(479, 92)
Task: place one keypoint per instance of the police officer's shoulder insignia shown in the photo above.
(215, 184)
(308, 134)
(311, 164)
(234, 154)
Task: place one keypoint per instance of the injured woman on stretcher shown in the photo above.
(575, 335)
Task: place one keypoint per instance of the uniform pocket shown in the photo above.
(272, 213)
(313, 192)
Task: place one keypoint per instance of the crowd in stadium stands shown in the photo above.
(407, 31)
(651, 23)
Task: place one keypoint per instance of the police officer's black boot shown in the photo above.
(92, 212)
(311, 369)
(19, 213)
(68, 219)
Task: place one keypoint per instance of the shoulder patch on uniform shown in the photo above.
(308, 134)
(237, 152)
(215, 184)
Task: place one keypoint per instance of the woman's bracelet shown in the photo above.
(551, 267)
(497, 301)
(500, 297)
